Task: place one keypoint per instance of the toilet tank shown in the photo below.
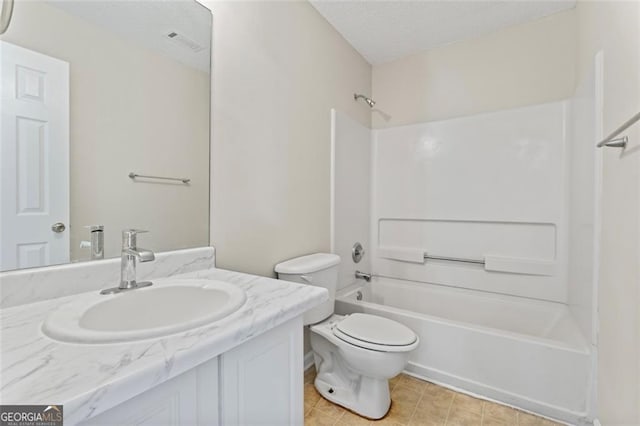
(319, 269)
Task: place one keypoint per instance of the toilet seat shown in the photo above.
(375, 333)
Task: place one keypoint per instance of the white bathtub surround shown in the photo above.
(89, 379)
(505, 189)
(490, 188)
(350, 193)
(585, 198)
(39, 284)
(522, 352)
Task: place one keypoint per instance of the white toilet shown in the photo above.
(356, 354)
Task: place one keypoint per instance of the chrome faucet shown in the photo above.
(130, 253)
(363, 275)
(97, 241)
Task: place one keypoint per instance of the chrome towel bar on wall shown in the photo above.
(419, 256)
(453, 259)
(493, 263)
(613, 142)
(135, 175)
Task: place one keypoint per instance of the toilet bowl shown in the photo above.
(355, 355)
(354, 368)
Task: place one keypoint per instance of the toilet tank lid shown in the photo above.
(307, 264)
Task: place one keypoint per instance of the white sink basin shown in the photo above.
(159, 310)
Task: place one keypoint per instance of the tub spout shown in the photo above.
(363, 276)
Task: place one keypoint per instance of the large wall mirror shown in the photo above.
(93, 94)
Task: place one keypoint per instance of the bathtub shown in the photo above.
(526, 353)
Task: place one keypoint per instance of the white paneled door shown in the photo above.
(34, 159)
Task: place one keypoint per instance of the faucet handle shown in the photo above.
(132, 232)
(129, 237)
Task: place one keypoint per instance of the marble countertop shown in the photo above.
(89, 379)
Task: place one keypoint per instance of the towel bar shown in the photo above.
(135, 175)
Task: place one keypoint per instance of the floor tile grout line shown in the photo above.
(415, 408)
(446, 419)
(338, 419)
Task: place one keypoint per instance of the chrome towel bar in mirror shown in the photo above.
(135, 175)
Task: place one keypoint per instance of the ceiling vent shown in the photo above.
(185, 42)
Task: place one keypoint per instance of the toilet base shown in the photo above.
(351, 376)
(370, 398)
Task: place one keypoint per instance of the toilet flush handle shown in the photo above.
(307, 279)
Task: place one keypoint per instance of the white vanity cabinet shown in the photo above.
(259, 382)
(188, 399)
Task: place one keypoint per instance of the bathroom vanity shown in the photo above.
(213, 362)
(245, 368)
(257, 382)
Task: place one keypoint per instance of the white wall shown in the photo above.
(613, 28)
(350, 190)
(521, 65)
(279, 68)
(113, 133)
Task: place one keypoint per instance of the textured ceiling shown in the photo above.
(147, 24)
(383, 31)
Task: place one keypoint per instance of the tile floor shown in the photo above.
(416, 402)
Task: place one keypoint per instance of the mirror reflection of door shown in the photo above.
(34, 159)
